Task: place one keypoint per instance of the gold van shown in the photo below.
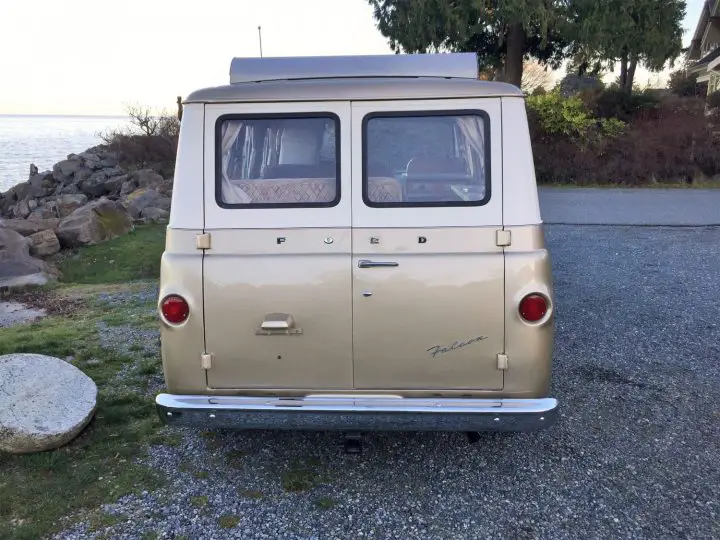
(355, 244)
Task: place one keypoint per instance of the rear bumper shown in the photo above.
(357, 413)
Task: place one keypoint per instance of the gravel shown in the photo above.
(635, 453)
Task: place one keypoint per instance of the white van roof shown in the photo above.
(375, 77)
(450, 65)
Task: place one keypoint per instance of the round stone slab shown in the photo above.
(45, 402)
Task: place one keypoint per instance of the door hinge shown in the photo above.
(202, 241)
(206, 361)
(502, 238)
(502, 361)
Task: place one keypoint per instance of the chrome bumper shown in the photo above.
(357, 413)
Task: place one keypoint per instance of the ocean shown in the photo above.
(45, 140)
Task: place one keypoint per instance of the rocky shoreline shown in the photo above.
(86, 199)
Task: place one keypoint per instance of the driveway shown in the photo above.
(672, 207)
(635, 453)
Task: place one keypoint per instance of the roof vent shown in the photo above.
(452, 65)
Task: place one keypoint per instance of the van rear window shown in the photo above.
(273, 161)
(426, 159)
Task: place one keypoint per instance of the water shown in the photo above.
(45, 140)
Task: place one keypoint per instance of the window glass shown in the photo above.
(426, 160)
(278, 161)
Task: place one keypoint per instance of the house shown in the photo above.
(704, 51)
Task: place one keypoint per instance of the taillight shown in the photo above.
(533, 307)
(175, 309)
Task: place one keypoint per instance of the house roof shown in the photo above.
(710, 9)
(709, 57)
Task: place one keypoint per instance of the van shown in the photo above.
(355, 244)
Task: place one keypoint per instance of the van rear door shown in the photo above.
(277, 277)
(428, 275)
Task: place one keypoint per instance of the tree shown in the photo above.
(503, 33)
(633, 32)
(535, 76)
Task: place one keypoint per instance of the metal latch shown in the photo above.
(277, 323)
(502, 238)
(502, 361)
(206, 361)
(202, 241)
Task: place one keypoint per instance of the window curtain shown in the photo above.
(231, 193)
(473, 132)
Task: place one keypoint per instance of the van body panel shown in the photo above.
(489, 213)
(186, 211)
(217, 217)
(182, 345)
(434, 321)
(249, 276)
(521, 206)
(265, 261)
(529, 346)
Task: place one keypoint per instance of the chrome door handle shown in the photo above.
(363, 263)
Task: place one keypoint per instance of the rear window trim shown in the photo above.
(425, 113)
(217, 154)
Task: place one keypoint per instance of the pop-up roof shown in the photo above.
(450, 65)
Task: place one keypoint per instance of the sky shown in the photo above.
(93, 57)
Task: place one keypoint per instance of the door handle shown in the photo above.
(363, 263)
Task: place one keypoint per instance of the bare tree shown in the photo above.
(535, 75)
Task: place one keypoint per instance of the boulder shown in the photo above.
(93, 223)
(41, 184)
(42, 212)
(114, 184)
(155, 215)
(94, 185)
(144, 198)
(146, 177)
(17, 266)
(128, 187)
(21, 210)
(26, 227)
(45, 402)
(68, 203)
(63, 171)
(43, 243)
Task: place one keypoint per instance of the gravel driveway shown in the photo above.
(635, 454)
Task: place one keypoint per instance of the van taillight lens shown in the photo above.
(533, 307)
(175, 309)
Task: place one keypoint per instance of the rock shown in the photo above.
(17, 267)
(93, 223)
(146, 177)
(63, 171)
(128, 187)
(21, 210)
(68, 203)
(26, 227)
(45, 402)
(143, 198)
(43, 244)
(42, 212)
(41, 184)
(94, 185)
(12, 313)
(156, 215)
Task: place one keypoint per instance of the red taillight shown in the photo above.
(175, 309)
(533, 307)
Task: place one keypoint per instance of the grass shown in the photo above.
(228, 521)
(301, 476)
(325, 503)
(251, 494)
(133, 256)
(44, 492)
(199, 502)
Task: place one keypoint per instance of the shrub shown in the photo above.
(713, 99)
(685, 85)
(626, 106)
(150, 140)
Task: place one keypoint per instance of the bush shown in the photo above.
(626, 106)
(713, 99)
(684, 85)
(150, 140)
(675, 144)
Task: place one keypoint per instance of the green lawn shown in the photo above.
(133, 256)
(37, 491)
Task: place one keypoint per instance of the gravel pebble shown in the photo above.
(634, 454)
